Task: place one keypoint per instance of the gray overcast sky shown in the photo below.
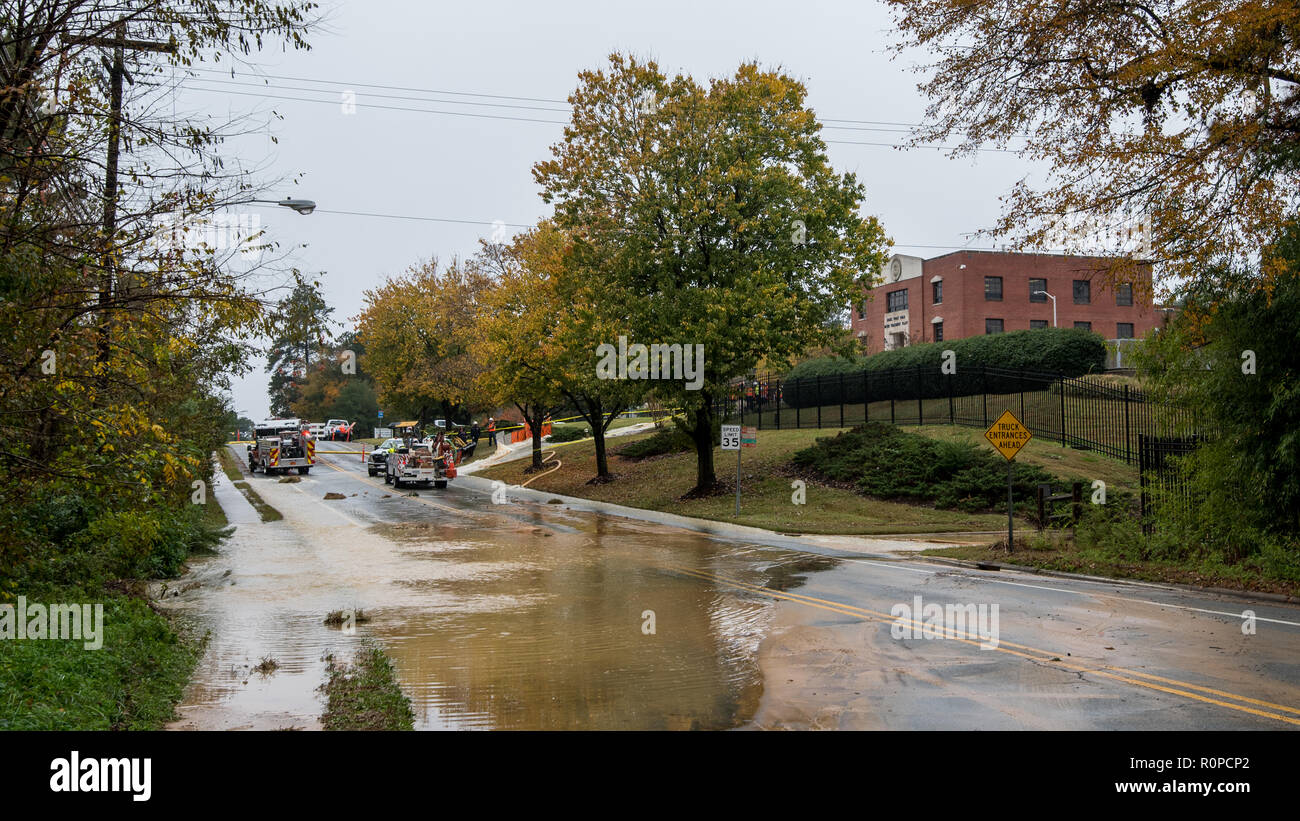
(471, 168)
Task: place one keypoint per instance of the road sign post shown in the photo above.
(731, 441)
(1008, 436)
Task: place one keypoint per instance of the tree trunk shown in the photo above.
(596, 418)
(535, 427)
(705, 477)
(602, 459)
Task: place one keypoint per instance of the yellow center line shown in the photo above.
(1045, 657)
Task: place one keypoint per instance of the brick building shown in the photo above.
(967, 293)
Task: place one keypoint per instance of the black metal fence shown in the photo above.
(1162, 483)
(1077, 412)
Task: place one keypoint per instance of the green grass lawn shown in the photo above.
(132, 682)
(766, 495)
(1063, 462)
(235, 473)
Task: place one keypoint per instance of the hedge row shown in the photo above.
(997, 363)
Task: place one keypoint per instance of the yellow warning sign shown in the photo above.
(1008, 435)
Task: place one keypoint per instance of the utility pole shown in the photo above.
(117, 72)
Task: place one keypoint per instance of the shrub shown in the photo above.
(884, 462)
(666, 440)
(569, 433)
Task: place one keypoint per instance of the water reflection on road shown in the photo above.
(538, 619)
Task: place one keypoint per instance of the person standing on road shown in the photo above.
(492, 431)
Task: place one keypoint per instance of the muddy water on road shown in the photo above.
(542, 619)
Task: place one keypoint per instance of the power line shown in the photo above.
(497, 223)
(389, 87)
(549, 122)
(228, 77)
(381, 96)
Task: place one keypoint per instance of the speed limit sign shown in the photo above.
(731, 437)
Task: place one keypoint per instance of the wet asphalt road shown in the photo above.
(528, 615)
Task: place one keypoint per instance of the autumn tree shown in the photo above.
(516, 332)
(709, 215)
(336, 387)
(546, 282)
(418, 331)
(1180, 119)
(116, 346)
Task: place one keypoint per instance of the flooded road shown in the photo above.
(495, 616)
(529, 615)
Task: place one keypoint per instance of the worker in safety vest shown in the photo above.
(492, 431)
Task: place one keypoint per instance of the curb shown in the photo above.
(1281, 598)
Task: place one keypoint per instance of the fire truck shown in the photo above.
(281, 445)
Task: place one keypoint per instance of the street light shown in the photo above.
(1049, 296)
(301, 206)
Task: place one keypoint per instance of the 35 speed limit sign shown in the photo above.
(731, 437)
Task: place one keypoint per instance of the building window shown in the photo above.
(992, 326)
(938, 332)
(1083, 326)
(1124, 330)
(993, 289)
(938, 293)
(896, 301)
(1035, 324)
(1037, 290)
(862, 310)
(1124, 297)
(1082, 292)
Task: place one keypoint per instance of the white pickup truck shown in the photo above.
(415, 465)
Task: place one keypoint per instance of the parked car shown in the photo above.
(379, 456)
(338, 429)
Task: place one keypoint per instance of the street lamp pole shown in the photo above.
(1049, 296)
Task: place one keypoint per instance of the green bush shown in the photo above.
(995, 363)
(666, 440)
(881, 461)
(569, 433)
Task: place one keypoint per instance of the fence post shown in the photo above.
(1061, 380)
(984, 391)
(866, 399)
(952, 417)
(776, 412)
(892, 391)
(1128, 448)
(819, 403)
(841, 398)
(1076, 497)
(798, 406)
(759, 388)
(920, 410)
(1043, 492)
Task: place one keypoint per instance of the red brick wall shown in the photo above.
(964, 308)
